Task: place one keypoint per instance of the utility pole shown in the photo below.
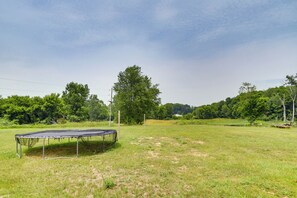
(110, 104)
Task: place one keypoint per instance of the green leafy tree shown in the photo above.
(169, 110)
(161, 113)
(254, 106)
(278, 101)
(37, 114)
(17, 108)
(75, 97)
(205, 112)
(97, 109)
(53, 107)
(135, 95)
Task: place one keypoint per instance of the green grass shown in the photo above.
(168, 160)
(4, 124)
(227, 122)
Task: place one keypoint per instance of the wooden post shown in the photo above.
(119, 123)
(16, 147)
(43, 149)
(77, 147)
(21, 150)
(110, 110)
(143, 119)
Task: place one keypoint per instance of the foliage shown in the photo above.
(75, 97)
(23, 109)
(162, 113)
(254, 106)
(53, 107)
(97, 109)
(206, 112)
(277, 107)
(135, 95)
(168, 110)
(246, 88)
(291, 82)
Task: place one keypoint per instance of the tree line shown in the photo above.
(136, 95)
(75, 104)
(276, 103)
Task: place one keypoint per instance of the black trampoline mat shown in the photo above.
(66, 133)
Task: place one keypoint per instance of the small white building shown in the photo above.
(178, 115)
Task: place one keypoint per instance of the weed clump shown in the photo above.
(108, 183)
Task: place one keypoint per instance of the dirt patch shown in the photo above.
(175, 160)
(182, 168)
(196, 153)
(155, 141)
(153, 154)
(198, 142)
(158, 144)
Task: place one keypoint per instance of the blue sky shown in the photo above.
(198, 51)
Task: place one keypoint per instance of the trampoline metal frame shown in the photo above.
(23, 136)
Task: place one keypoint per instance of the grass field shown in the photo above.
(155, 160)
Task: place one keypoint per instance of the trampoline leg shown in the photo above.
(20, 151)
(103, 143)
(43, 149)
(17, 147)
(77, 147)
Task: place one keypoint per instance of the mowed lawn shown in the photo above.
(158, 160)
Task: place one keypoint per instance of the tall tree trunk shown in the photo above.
(293, 96)
(284, 110)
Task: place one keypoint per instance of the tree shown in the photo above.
(53, 107)
(17, 108)
(254, 106)
(135, 95)
(281, 94)
(205, 112)
(75, 97)
(35, 110)
(97, 109)
(181, 109)
(291, 82)
(246, 88)
(161, 112)
(169, 110)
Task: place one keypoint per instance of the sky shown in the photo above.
(198, 52)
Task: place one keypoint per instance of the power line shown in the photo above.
(23, 90)
(28, 81)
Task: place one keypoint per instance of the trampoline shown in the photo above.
(30, 139)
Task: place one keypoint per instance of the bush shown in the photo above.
(108, 183)
(73, 118)
(61, 121)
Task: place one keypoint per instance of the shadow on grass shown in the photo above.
(68, 149)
